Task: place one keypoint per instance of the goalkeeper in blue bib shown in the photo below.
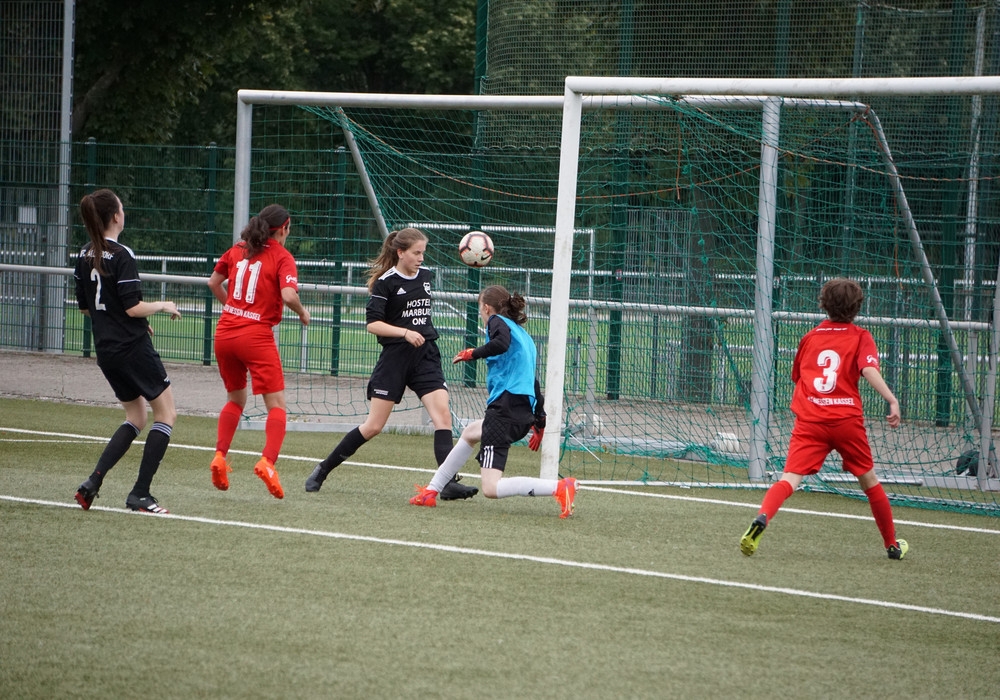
(515, 406)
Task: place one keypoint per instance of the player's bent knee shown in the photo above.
(369, 432)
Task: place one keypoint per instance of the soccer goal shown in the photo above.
(672, 236)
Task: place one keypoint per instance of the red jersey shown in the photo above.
(827, 369)
(255, 284)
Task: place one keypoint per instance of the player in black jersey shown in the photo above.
(399, 314)
(109, 292)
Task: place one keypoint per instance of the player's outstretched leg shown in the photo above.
(443, 449)
(348, 445)
(751, 538)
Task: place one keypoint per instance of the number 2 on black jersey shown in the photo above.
(98, 304)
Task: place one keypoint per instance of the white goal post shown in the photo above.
(770, 92)
(770, 96)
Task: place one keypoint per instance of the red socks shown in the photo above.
(274, 430)
(229, 421)
(882, 511)
(775, 496)
(274, 433)
(877, 499)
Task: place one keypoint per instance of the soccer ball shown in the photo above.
(476, 249)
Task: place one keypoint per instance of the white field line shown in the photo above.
(786, 509)
(585, 485)
(538, 560)
(524, 557)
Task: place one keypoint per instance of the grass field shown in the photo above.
(353, 593)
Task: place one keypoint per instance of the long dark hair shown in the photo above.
(97, 210)
(396, 241)
(507, 304)
(261, 227)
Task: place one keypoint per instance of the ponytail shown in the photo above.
(97, 210)
(261, 227)
(510, 305)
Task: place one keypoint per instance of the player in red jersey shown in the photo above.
(262, 279)
(830, 361)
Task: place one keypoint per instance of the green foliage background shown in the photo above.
(168, 72)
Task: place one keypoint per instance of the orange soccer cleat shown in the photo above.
(269, 475)
(565, 494)
(220, 471)
(424, 497)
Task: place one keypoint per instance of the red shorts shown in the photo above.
(253, 351)
(812, 442)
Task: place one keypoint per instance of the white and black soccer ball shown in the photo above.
(475, 249)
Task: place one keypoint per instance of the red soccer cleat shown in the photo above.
(269, 475)
(424, 497)
(220, 472)
(565, 494)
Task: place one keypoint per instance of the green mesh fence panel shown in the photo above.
(534, 44)
(659, 362)
(675, 191)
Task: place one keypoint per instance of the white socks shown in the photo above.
(507, 486)
(458, 456)
(525, 486)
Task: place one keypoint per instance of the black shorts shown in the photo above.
(507, 420)
(135, 372)
(400, 366)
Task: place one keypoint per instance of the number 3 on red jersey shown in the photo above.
(829, 361)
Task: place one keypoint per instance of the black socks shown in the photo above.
(116, 448)
(347, 446)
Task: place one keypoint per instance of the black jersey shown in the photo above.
(404, 302)
(107, 297)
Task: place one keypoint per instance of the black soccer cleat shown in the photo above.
(454, 491)
(317, 478)
(144, 504)
(86, 494)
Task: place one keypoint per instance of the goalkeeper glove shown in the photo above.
(539, 406)
(464, 356)
(540, 419)
(535, 441)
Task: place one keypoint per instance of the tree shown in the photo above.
(151, 72)
(139, 65)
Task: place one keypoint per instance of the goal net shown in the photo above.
(670, 278)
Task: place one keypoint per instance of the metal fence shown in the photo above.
(336, 344)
